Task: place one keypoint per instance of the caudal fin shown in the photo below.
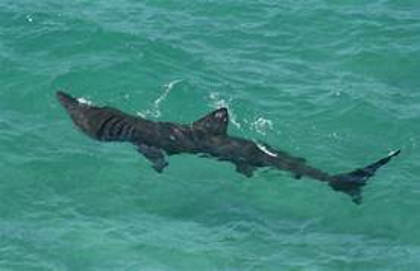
(351, 183)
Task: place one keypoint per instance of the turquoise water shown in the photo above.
(336, 82)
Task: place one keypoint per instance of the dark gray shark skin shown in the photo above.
(207, 137)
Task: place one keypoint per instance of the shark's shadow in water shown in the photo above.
(206, 136)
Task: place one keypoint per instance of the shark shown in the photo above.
(207, 137)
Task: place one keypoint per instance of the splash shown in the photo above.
(84, 101)
(155, 111)
(168, 88)
(261, 125)
(29, 18)
(264, 149)
(138, 113)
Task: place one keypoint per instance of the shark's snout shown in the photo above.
(83, 115)
(67, 101)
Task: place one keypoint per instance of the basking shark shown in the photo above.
(206, 137)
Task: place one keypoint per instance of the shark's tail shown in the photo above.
(351, 183)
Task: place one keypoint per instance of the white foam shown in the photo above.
(261, 125)
(392, 153)
(84, 101)
(138, 113)
(265, 150)
(156, 104)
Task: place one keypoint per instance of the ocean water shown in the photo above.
(336, 82)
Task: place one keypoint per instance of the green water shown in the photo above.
(336, 82)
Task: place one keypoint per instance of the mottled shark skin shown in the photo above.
(206, 137)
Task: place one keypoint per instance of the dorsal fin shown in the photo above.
(214, 123)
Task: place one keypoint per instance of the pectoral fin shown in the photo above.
(154, 155)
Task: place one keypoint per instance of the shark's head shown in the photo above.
(214, 123)
(68, 102)
(81, 113)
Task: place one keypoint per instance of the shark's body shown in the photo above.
(206, 136)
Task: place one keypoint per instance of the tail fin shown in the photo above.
(351, 183)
